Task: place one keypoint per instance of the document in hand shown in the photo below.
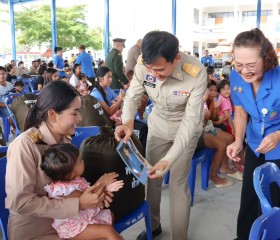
(134, 160)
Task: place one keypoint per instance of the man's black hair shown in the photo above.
(158, 44)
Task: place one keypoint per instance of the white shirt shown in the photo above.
(6, 89)
(74, 80)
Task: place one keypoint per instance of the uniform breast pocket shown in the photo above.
(180, 100)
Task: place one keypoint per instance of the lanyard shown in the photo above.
(264, 112)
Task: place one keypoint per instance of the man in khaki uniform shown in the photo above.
(132, 56)
(176, 83)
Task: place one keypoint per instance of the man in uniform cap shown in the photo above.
(115, 63)
(176, 83)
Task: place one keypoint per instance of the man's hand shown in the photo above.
(124, 131)
(157, 170)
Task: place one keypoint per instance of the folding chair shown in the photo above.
(4, 213)
(134, 217)
(83, 133)
(9, 100)
(266, 227)
(264, 175)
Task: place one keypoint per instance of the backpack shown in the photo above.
(92, 113)
(100, 156)
(20, 107)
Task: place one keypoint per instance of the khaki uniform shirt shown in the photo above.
(132, 57)
(178, 103)
(31, 211)
(115, 63)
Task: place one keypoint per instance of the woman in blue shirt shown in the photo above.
(255, 85)
(59, 62)
(109, 101)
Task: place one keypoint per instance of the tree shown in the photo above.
(34, 27)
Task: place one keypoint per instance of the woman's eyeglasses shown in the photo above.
(250, 67)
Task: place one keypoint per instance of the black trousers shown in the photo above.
(250, 208)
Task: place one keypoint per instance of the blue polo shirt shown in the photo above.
(59, 63)
(267, 101)
(84, 59)
(208, 60)
(110, 95)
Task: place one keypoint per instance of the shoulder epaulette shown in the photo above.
(191, 69)
(35, 136)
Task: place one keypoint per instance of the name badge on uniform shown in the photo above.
(150, 81)
(181, 93)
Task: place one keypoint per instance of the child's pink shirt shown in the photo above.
(225, 105)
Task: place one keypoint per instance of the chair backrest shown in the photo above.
(149, 108)
(83, 133)
(27, 85)
(8, 101)
(4, 213)
(264, 175)
(116, 91)
(266, 227)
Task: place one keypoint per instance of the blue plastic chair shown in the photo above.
(83, 133)
(264, 175)
(204, 157)
(6, 128)
(4, 213)
(27, 85)
(9, 100)
(149, 108)
(116, 91)
(134, 217)
(266, 227)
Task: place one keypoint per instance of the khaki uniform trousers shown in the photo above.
(179, 193)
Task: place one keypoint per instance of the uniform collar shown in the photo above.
(178, 72)
(47, 135)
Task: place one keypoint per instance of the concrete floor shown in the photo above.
(213, 215)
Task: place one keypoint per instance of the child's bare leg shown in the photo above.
(214, 142)
(97, 232)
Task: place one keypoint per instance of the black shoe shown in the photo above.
(143, 235)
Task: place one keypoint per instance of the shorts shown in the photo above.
(4, 112)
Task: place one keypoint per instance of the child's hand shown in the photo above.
(217, 103)
(115, 186)
(108, 178)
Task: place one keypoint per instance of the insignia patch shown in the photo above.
(140, 60)
(150, 81)
(240, 90)
(181, 93)
(191, 69)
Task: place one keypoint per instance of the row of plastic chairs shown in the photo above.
(8, 101)
(266, 227)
